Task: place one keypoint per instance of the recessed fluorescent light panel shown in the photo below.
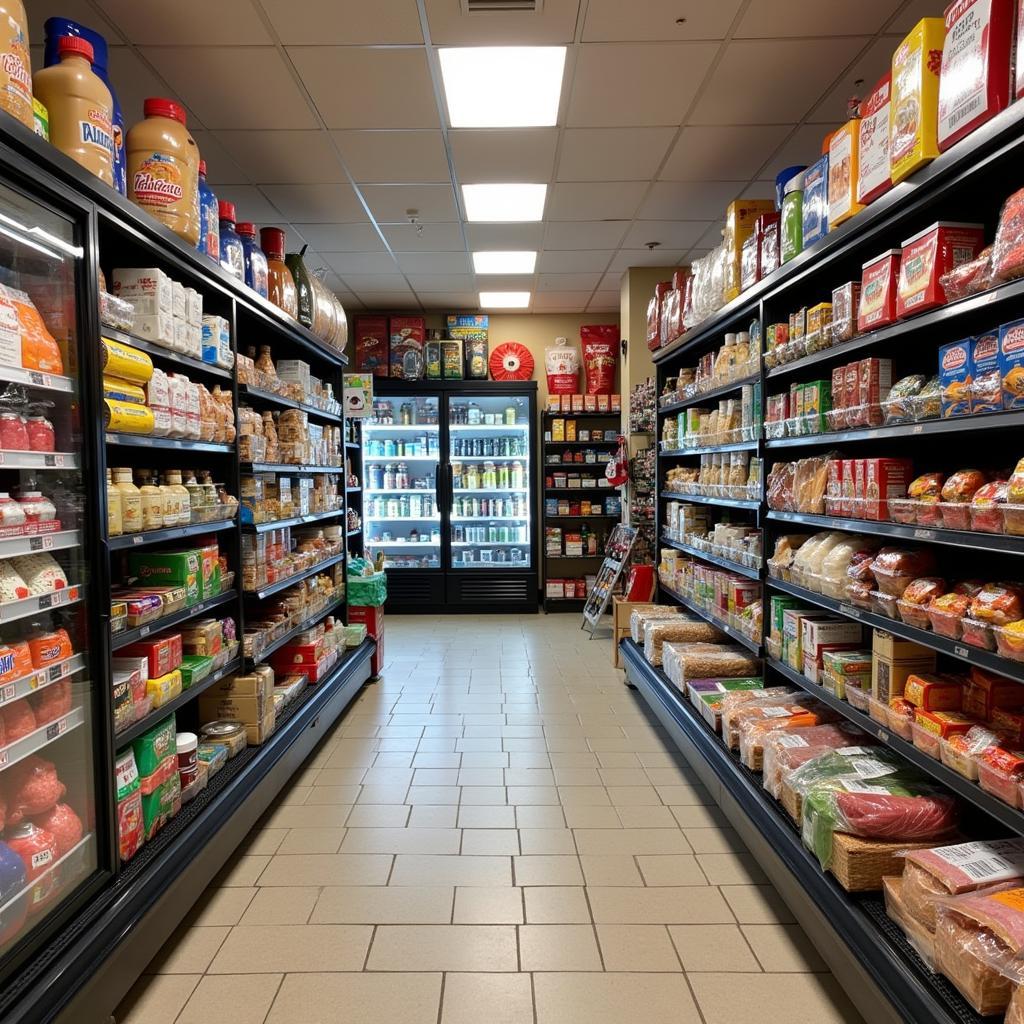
(504, 203)
(504, 300)
(504, 262)
(502, 86)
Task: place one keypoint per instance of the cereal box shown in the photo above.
(883, 479)
(927, 256)
(956, 378)
(843, 165)
(914, 115)
(408, 334)
(987, 389)
(873, 143)
(878, 291)
(1011, 363)
(371, 333)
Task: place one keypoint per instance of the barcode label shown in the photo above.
(994, 861)
(776, 713)
(970, 108)
(791, 739)
(855, 786)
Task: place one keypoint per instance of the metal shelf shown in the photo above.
(354, 445)
(355, 533)
(570, 558)
(38, 460)
(41, 737)
(167, 354)
(548, 414)
(593, 515)
(736, 635)
(176, 443)
(964, 652)
(310, 620)
(272, 398)
(736, 446)
(724, 563)
(36, 380)
(707, 396)
(135, 540)
(575, 490)
(279, 585)
(131, 636)
(278, 524)
(41, 678)
(560, 444)
(702, 499)
(574, 465)
(59, 540)
(287, 467)
(11, 611)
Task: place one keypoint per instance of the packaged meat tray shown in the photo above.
(1000, 772)
(755, 730)
(920, 938)
(1010, 640)
(732, 703)
(961, 750)
(784, 751)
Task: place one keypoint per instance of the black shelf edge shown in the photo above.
(548, 414)
(167, 354)
(1009, 816)
(736, 446)
(354, 445)
(568, 558)
(572, 465)
(310, 620)
(178, 443)
(277, 524)
(722, 563)
(574, 490)
(131, 636)
(707, 396)
(739, 637)
(963, 652)
(122, 739)
(950, 538)
(551, 515)
(135, 540)
(287, 467)
(354, 533)
(276, 588)
(271, 398)
(561, 444)
(702, 499)
(915, 994)
(955, 425)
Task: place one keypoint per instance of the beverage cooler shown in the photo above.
(449, 494)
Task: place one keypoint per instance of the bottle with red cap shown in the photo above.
(232, 255)
(255, 261)
(80, 108)
(280, 283)
(209, 218)
(163, 168)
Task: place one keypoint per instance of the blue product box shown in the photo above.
(1011, 363)
(551, 506)
(612, 506)
(815, 209)
(955, 378)
(987, 388)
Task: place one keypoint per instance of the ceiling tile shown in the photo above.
(433, 262)
(690, 200)
(672, 234)
(81, 11)
(568, 262)
(504, 282)
(867, 70)
(364, 87)
(187, 23)
(251, 204)
(351, 22)
(711, 238)
(567, 282)
(425, 237)
(612, 154)
(568, 302)
(765, 19)
(503, 237)
(424, 283)
(722, 154)
(606, 301)
(626, 258)
(221, 166)
(328, 204)
(554, 23)
(803, 147)
(341, 237)
(233, 86)
(284, 157)
(452, 302)
(345, 263)
(383, 282)
(797, 83)
(609, 281)
(515, 154)
(394, 156)
(585, 234)
(388, 203)
(615, 21)
(663, 79)
(912, 14)
(387, 300)
(134, 81)
(591, 200)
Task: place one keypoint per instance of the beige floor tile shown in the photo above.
(402, 840)
(556, 905)
(558, 947)
(484, 759)
(548, 870)
(624, 777)
(293, 795)
(477, 796)
(289, 948)
(418, 870)
(317, 816)
(320, 796)
(801, 998)
(684, 796)
(634, 796)
(157, 1000)
(481, 777)
(533, 795)
(490, 842)
(340, 776)
(479, 905)
(220, 907)
(783, 948)
(713, 947)
(573, 759)
(699, 816)
(281, 905)
(433, 816)
(265, 842)
(714, 840)
(429, 759)
(494, 998)
(374, 904)
(241, 871)
(637, 947)
(384, 795)
(757, 904)
(378, 816)
(577, 777)
(189, 951)
(583, 998)
(616, 759)
(663, 905)
(240, 998)
(312, 840)
(631, 841)
(436, 777)
(614, 869)
(645, 816)
(327, 869)
(731, 869)
(577, 817)
(671, 869)
(366, 998)
(526, 759)
(529, 777)
(539, 816)
(433, 795)
(583, 796)
(443, 948)
(487, 816)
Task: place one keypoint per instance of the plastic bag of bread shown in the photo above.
(207, 416)
(926, 487)
(998, 603)
(686, 661)
(785, 751)
(1008, 247)
(836, 565)
(895, 569)
(809, 482)
(961, 485)
(809, 559)
(988, 505)
(679, 628)
(779, 487)
(899, 406)
(639, 617)
(786, 547)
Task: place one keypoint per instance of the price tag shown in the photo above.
(35, 543)
(72, 593)
(144, 631)
(50, 461)
(849, 609)
(4, 757)
(924, 534)
(2, 459)
(137, 539)
(961, 652)
(871, 433)
(58, 461)
(6, 693)
(34, 377)
(918, 428)
(46, 601)
(56, 672)
(54, 729)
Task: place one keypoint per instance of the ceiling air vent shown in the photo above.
(502, 6)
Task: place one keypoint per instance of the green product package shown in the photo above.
(432, 350)
(160, 805)
(792, 226)
(778, 606)
(451, 359)
(154, 745)
(194, 669)
(169, 568)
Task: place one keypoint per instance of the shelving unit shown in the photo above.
(354, 517)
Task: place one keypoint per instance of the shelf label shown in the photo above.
(46, 601)
(50, 461)
(137, 539)
(7, 693)
(144, 631)
(55, 729)
(961, 652)
(55, 672)
(40, 379)
(918, 428)
(5, 756)
(924, 534)
(849, 609)
(35, 543)
(72, 593)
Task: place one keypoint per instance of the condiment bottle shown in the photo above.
(211, 495)
(280, 283)
(256, 272)
(172, 478)
(172, 505)
(209, 218)
(305, 296)
(232, 256)
(115, 523)
(152, 502)
(80, 108)
(15, 65)
(195, 491)
(131, 500)
(163, 168)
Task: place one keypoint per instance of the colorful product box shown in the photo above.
(985, 693)
(194, 669)
(914, 114)
(878, 291)
(815, 205)
(889, 677)
(934, 693)
(849, 487)
(927, 257)
(819, 633)
(895, 648)
(177, 568)
(956, 378)
(944, 723)
(164, 688)
(204, 637)
(371, 342)
(873, 178)
(1011, 363)
(987, 388)
(843, 168)
(408, 335)
(884, 479)
(162, 653)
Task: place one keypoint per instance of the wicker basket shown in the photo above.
(792, 801)
(859, 865)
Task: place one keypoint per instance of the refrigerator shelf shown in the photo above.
(41, 678)
(10, 611)
(41, 737)
(11, 547)
(36, 380)
(38, 460)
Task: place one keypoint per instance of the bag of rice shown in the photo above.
(563, 368)
(681, 629)
(600, 356)
(640, 617)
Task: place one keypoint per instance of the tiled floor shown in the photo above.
(494, 833)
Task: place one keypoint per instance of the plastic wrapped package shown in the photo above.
(913, 604)
(946, 613)
(916, 934)
(1000, 772)
(1008, 247)
(835, 566)
(809, 483)
(32, 787)
(750, 724)
(786, 547)
(895, 569)
(680, 629)
(987, 507)
(968, 278)
(785, 751)
(707, 660)
(961, 751)
(1013, 511)
(1010, 640)
(640, 617)
(733, 702)
(806, 569)
(998, 603)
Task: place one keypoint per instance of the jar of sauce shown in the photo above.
(280, 283)
(256, 272)
(41, 436)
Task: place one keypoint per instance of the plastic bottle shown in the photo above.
(80, 108)
(232, 255)
(131, 500)
(305, 296)
(172, 505)
(172, 479)
(115, 521)
(209, 218)
(163, 168)
(152, 502)
(15, 64)
(57, 27)
(256, 272)
(280, 283)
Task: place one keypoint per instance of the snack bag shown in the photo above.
(563, 368)
(600, 344)
(24, 339)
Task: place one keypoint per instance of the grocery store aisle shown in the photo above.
(495, 832)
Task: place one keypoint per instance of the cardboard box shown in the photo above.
(203, 636)
(883, 479)
(622, 610)
(987, 390)
(818, 633)
(408, 335)
(261, 731)
(175, 568)
(1011, 363)
(247, 710)
(792, 634)
(956, 378)
(558, 430)
(252, 684)
(896, 649)
(889, 677)
(372, 618)
(371, 343)
(158, 329)
(162, 653)
(148, 289)
(577, 403)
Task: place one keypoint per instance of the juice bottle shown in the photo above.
(115, 522)
(232, 255)
(280, 283)
(172, 478)
(80, 108)
(163, 168)
(256, 272)
(131, 500)
(15, 65)
(152, 501)
(209, 218)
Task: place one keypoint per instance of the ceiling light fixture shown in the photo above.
(502, 86)
(504, 203)
(504, 300)
(504, 262)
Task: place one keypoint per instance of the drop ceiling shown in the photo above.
(328, 117)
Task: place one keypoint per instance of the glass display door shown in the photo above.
(489, 456)
(401, 459)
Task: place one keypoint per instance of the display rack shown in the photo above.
(354, 492)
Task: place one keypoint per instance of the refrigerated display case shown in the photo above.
(449, 493)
